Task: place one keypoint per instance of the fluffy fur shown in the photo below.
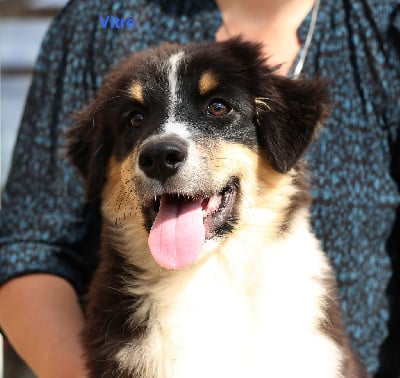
(260, 299)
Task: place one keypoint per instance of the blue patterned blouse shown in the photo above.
(46, 226)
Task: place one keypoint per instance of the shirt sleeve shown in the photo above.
(391, 42)
(392, 111)
(46, 226)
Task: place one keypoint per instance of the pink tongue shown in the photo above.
(178, 233)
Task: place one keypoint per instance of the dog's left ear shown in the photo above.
(288, 115)
(89, 145)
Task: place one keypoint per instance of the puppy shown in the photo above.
(208, 265)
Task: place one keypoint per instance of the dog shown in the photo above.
(208, 266)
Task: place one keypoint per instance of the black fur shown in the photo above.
(108, 329)
(288, 126)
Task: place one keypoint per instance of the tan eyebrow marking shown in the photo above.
(208, 81)
(136, 92)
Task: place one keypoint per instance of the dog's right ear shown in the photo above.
(288, 115)
(89, 146)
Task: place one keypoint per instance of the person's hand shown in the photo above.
(41, 317)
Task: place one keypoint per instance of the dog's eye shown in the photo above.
(136, 119)
(218, 108)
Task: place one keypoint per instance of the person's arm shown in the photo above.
(41, 316)
(47, 229)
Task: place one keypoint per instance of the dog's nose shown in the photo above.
(162, 159)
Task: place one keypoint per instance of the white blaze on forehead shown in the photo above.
(177, 128)
(172, 126)
(174, 61)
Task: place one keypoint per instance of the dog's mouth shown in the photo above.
(182, 223)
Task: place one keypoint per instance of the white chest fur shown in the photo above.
(256, 314)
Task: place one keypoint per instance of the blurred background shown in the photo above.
(23, 24)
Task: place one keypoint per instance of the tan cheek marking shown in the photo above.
(262, 187)
(249, 165)
(208, 81)
(121, 209)
(136, 92)
(118, 198)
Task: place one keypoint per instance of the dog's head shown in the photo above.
(181, 139)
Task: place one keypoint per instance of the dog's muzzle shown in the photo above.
(162, 159)
(182, 210)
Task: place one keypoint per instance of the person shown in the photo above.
(49, 233)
